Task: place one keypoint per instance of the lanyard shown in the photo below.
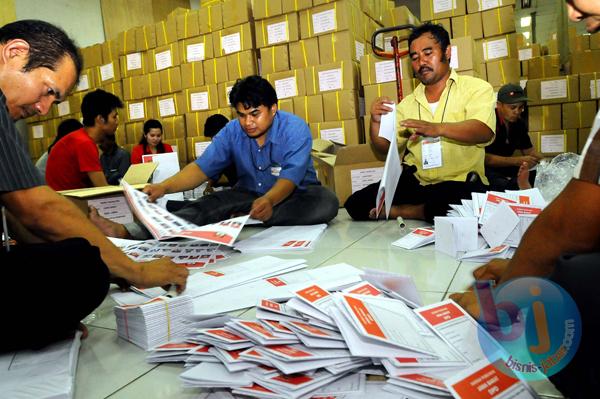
(445, 103)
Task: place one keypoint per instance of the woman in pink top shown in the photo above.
(151, 142)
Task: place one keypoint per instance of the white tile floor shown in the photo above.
(110, 367)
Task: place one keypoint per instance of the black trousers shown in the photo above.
(49, 288)
(501, 181)
(579, 275)
(435, 197)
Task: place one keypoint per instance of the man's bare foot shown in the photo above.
(108, 227)
(523, 177)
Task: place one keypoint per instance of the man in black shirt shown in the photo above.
(504, 170)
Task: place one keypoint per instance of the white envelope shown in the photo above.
(455, 234)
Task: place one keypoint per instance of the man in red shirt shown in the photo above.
(75, 161)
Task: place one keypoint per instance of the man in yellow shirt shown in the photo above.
(443, 128)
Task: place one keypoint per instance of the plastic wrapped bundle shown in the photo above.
(552, 176)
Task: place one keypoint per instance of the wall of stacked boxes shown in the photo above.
(317, 55)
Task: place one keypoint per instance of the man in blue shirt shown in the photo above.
(270, 149)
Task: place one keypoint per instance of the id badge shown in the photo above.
(275, 170)
(431, 150)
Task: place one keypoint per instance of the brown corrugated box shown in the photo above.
(149, 85)
(498, 21)
(110, 51)
(197, 49)
(463, 54)
(372, 92)
(345, 132)
(236, 12)
(145, 37)
(553, 90)
(192, 74)
(579, 42)
(478, 5)
(543, 67)
(582, 137)
(589, 86)
(191, 146)
(223, 90)
(429, 8)
(467, 25)
(180, 146)
(288, 84)
(528, 52)
(139, 110)
(342, 75)
(326, 18)
(400, 16)
(266, 8)
(87, 80)
(188, 24)
(174, 127)
(164, 57)
(210, 18)
(287, 105)
(585, 61)
(134, 64)
(309, 108)
(578, 115)
(170, 105)
(304, 53)
(130, 88)
(335, 171)
(595, 41)
(126, 42)
(202, 98)
(170, 80)
(228, 112)
(275, 59)
(37, 131)
(445, 22)
(554, 142)
(35, 148)
(115, 88)
(545, 117)
(215, 70)
(166, 32)
(233, 39)
(502, 72)
(277, 30)
(194, 123)
(92, 56)
(340, 105)
(339, 46)
(551, 47)
(496, 48)
(242, 64)
(108, 73)
(295, 5)
(380, 70)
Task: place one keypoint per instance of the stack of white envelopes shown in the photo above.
(282, 238)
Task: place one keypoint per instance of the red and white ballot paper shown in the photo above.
(162, 224)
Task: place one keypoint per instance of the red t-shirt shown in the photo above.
(70, 160)
(138, 151)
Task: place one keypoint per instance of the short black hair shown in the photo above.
(252, 91)
(439, 33)
(98, 102)
(151, 124)
(65, 127)
(48, 44)
(214, 124)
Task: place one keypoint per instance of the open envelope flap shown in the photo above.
(140, 173)
(96, 191)
(353, 154)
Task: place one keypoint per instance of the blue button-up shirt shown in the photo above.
(285, 154)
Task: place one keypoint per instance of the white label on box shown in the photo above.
(323, 21)
(38, 131)
(330, 79)
(136, 111)
(166, 107)
(454, 57)
(553, 89)
(361, 178)
(360, 49)
(231, 43)
(277, 33)
(595, 88)
(134, 61)
(107, 72)
(523, 83)
(285, 88)
(487, 4)
(336, 135)
(195, 52)
(163, 60)
(199, 101)
(552, 143)
(200, 147)
(84, 82)
(64, 108)
(525, 54)
(495, 49)
(385, 71)
(443, 5)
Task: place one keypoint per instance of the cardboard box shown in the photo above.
(338, 46)
(92, 56)
(545, 117)
(210, 18)
(192, 74)
(462, 54)
(478, 5)
(194, 123)
(467, 25)
(277, 30)
(528, 52)
(139, 110)
(295, 5)
(496, 48)
(380, 70)
(582, 137)
(346, 172)
(342, 75)
(202, 98)
(215, 70)
(551, 143)
(170, 80)
(595, 41)
(578, 115)
(553, 90)
(585, 61)
(37, 131)
(145, 37)
(326, 18)
(179, 146)
(166, 32)
(340, 105)
(309, 108)
(223, 90)
(148, 85)
(134, 132)
(197, 49)
(389, 90)
(579, 43)
(115, 88)
(266, 8)
(242, 64)
(228, 112)
(126, 42)
(108, 73)
(173, 128)
(134, 64)
(232, 40)
(547, 66)
(110, 51)
(188, 24)
(196, 146)
(436, 9)
(170, 105)
(304, 53)
(498, 21)
(109, 200)
(589, 86)
(346, 132)
(288, 84)
(445, 22)
(287, 105)
(502, 72)
(87, 80)
(275, 59)
(551, 47)
(400, 16)
(164, 57)
(236, 12)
